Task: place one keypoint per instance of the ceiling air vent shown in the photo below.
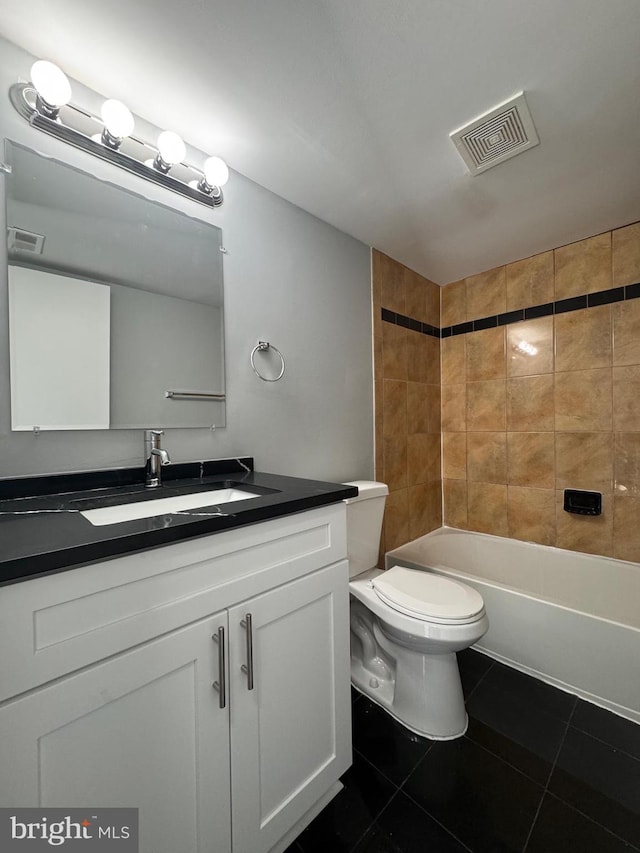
(496, 136)
(19, 240)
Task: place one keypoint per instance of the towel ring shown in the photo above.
(262, 346)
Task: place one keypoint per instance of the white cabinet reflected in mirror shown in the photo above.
(114, 300)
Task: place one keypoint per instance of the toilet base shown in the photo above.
(419, 687)
(379, 698)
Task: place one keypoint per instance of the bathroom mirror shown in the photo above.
(160, 362)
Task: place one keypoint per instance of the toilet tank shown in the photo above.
(364, 525)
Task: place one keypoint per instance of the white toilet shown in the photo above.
(406, 626)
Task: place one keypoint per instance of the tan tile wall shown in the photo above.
(537, 406)
(407, 402)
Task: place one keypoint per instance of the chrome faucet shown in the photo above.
(156, 457)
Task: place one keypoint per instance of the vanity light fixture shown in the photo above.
(171, 150)
(216, 174)
(118, 123)
(53, 90)
(45, 102)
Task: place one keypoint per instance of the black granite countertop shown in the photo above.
(42, 529)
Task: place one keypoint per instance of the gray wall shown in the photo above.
(289, 279)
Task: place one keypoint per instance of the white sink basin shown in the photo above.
(163, 506)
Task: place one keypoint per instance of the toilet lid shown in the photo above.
(427, 595)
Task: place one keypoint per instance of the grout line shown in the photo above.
(385, 806)
(417, 764)
(377, 769)
(606, 743)
(435, 820)
(534, 821)
(544, 789)
(429, 745)
(396, 793)
(503, 760)
(553, 767)
(564, 737)
(630, 844)
(374, 822)
(481, 679)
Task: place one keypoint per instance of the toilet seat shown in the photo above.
(428, 596)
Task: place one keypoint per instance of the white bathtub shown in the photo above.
(570, 619)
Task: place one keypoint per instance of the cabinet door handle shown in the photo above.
(221, 684)
(248, 668)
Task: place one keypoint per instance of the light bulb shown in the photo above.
(216, 172)
(50, 83)
(117, 119)
(171, 147)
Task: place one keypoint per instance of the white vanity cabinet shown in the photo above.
(139, 730)
(135, 719)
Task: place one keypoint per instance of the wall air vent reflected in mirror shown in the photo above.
(19, 240)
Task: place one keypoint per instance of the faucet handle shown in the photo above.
(152, 439)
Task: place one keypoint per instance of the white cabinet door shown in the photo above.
(290, 734)
(144, 730)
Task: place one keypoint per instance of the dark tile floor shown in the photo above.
(538, 771)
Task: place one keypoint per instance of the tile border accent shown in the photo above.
(410, 323)
(561, 306)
